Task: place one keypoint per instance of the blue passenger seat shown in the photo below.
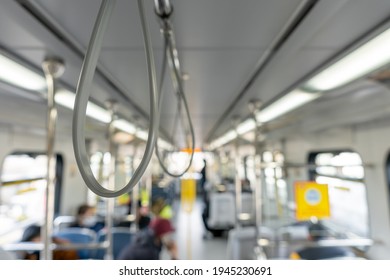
(79, 236)
(121, 236)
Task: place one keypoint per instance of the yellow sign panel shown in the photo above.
(312, 200)
(188, 194)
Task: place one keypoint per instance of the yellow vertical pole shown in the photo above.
(188, 196)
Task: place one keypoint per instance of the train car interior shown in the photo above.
(258, 129)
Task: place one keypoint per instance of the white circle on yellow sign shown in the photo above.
(312, 196)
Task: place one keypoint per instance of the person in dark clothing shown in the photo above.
(33, 234)
(319, 232)
(143, 246)
(203, 180)
(149, 241)
(206, 203)
(142, 219)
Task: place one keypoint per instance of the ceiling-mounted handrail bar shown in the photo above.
(163, 8)
(83, 92)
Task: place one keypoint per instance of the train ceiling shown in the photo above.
(233, 51)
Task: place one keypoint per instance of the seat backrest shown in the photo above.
(62, 222)
(4, 255)
(241, 242)
(247, 204)
(293, 233)
(121, 236)
(222, 210)
(79, 236)
(290, 238)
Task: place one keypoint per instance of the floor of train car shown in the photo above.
(189, 232)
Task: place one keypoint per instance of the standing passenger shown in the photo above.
(203, 180)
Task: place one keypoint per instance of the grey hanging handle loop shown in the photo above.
(83, 92)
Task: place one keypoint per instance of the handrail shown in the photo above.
(320, 243)
(31, 246)
(21, 181)
(83, 92)
(170, 50)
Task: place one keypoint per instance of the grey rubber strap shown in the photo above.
(82, 96)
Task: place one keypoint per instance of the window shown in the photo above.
(274, 176)
(343, 172)
(23, 189)
(275, 185)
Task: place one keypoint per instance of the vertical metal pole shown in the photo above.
(110, 202)
(278, 203)
(135, 196)
(238, 186)
(258, 194)
(134, 207)
(149, 185)
(129, 170)
(258, 205)
(254, 106)
(53, 68)
(189, 236)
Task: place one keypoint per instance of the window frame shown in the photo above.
(312, 174)
(58, 174)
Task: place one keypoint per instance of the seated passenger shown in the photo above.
(318, 232)
(160, 208)
(141, 217)
(246, 186)
(33, 234)
(86, 218)
(148, 242)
